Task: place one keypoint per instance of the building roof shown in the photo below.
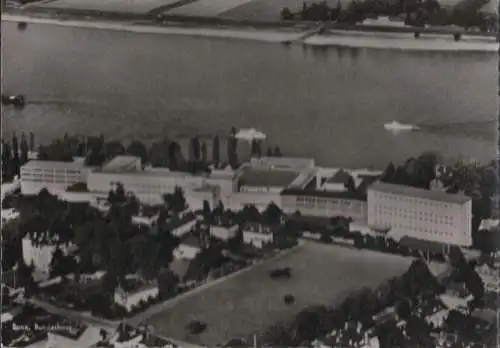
(57, 165)
(419, 193)
(296, 163)
(192, 241)
(180, 267)
(323, 194)
(340, 177)
(424, 245)
(121, 164)
(263, 177)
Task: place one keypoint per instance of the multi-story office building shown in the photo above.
(429, 215)
(56, 177)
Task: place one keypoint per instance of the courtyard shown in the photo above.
(252, 301)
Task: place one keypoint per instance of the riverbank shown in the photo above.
(302, 34)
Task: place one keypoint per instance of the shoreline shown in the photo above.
(284, 35)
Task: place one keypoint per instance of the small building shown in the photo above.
(257, 235)
(188, 248)
(224, 231)
(66, 333)
(135, 292)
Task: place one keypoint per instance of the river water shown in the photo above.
(328, 103)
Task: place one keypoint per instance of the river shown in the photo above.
(328, 103)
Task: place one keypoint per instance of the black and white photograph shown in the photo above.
(250, 174)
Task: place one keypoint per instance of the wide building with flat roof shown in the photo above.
(429, 215)
(150, 184)
(55, 176)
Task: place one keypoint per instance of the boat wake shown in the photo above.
(481, 130)
(395, 126)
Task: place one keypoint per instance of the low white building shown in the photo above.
(183, 226)
(39, 250)
(131, 299)
(224, 232)
(150, 184)
(188, 248)
(55, 176)
(257, 235)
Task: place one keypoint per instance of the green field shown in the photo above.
(252, 301)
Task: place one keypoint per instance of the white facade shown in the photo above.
(40, 254)
(223, 232)
(422, 214)
(257, 239)
(186, 251)
(184, 228)
(131, 300)
(54, 176)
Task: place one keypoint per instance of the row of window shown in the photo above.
(419, 229)
(395, 199)
(53, 180)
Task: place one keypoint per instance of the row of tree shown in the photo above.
(164, 153)
(416, 12)
(15, 154)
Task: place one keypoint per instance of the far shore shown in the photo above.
(284, 35)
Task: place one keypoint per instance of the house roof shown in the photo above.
(263, 177)
(57, 165)
(340, 177)
(422, 244)
(419, 193)
(191, 240)
(180, 267)
(121, 164)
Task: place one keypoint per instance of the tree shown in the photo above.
(6, 161)
(286, 14)
(207, 212)
(269, 152)
(273, 214)
(389, 173)
(32, 141)
(232, 150)
(158, 154)
(216, 151)
(167, 283)
(138, 149)
(196, 149)
(175, 158)
(175, 201)
(204, 156)
(113, 149)
(24, 149)
(277, 152)
(256, 148)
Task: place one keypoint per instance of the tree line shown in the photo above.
(15, 153)
(96, 151)
(414, 12)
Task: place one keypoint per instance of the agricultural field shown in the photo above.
(125, 6)
(250, 302)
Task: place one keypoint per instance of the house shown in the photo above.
(135, 292)
(224, 231)
(257, 235)
(188, 248)
(66, 333)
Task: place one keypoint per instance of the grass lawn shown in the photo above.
(252, 301)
